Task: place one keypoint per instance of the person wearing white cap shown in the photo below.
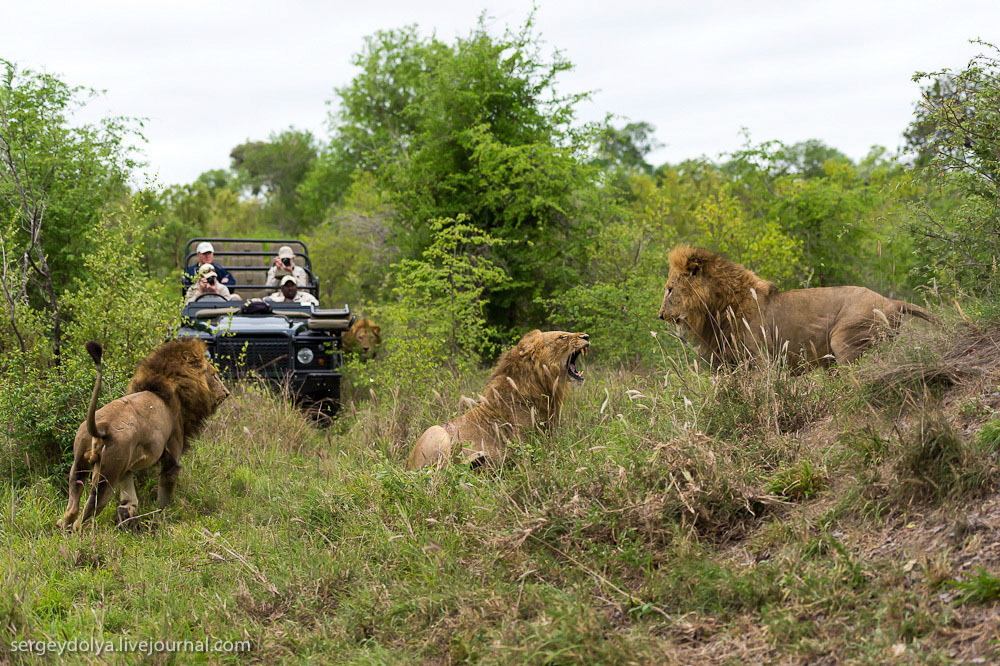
(284, 264)
(290, 293)
(208, 283)
(206, 255)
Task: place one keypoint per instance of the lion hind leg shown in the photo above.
(100, 493)
(433, 447)
(76, 481)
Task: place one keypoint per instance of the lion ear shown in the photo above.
(377, 330)
(695, 265)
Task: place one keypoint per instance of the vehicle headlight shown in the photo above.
(305, 356)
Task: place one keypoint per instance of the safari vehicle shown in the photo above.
(287, 344)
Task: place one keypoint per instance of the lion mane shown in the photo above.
(173, 392)
(363, 338)
(731, 314)
(526, 390)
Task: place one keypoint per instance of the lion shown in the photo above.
(526, 390)
(174, 390)
(363, 338)
(731, 314)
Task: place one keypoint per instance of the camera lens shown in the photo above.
(211, 280)
(286, 261)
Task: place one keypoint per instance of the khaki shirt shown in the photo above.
(274, 276)
(194, 291)
(303, 297)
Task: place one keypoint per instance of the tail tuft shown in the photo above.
(95, 350)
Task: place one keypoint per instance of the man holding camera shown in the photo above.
(284, 264)
(208, 283)
(206, 255)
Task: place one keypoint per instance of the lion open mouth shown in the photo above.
(575, 374)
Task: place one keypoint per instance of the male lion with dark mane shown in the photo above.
(174, 390)
(731, 314)
(526, 390)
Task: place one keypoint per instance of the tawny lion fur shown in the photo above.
(731, 314)
(526, 390)
(174, 390)
(363, 338)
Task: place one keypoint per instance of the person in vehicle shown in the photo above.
(208, 283)
(290, 293)
(206, 255)
(284, 264)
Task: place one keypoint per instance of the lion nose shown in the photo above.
(585, 336)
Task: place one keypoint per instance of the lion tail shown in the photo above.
(97, 435)
(917, 311)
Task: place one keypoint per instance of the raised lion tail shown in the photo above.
(96, 352)
(917, 311)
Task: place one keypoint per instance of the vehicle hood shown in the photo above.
(252, 325)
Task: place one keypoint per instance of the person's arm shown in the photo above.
(225, 277)
(272, 280)
(301, 277)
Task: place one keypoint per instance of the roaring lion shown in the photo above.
(526, 390)
(732, 314)
(174, 390)
(363, 338)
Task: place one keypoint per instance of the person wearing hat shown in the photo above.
(284, 264)
(290, 293)
(208, 283)
(206, 255)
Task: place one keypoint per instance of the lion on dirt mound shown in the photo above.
(731, 314)
(174, 390)
(363, 338)
(526, 390)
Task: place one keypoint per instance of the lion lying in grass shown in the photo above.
(526, 390)
(363, 338)
(730, 314)
(174, 390)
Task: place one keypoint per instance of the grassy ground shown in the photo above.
(674, 516)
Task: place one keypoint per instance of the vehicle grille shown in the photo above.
(264, 356)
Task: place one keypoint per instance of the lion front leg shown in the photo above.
(170, 470)
(433, 447)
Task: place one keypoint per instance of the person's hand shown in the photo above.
(278, 264)
(205, 286)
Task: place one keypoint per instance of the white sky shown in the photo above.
(208, 75)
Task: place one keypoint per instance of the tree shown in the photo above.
(626, 149)
(56, 179)
(957, 130)
(474, 128)
(274, 169)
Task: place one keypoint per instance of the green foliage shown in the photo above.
(759, 243)
(958, 125)
(476, 128)
(444, 289)
(112, 302)
(274, 169)
(349, 250)
(982, 588)
(57, 167)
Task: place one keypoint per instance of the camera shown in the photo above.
(210, 279)
(286, 261)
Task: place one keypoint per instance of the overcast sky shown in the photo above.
(208, 75)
